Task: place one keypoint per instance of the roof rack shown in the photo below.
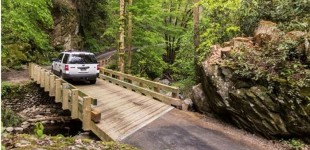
(78, 51)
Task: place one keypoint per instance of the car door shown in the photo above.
(57, 63)
(63, 63)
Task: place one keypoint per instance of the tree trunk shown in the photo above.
(129, 38)
(196, 38)
(121, 49)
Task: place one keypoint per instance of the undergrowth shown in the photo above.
(10, 118)
(280, 62)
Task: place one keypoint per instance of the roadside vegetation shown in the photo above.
(26, 141)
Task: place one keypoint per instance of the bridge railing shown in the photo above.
(79, 103)
(104, 62)
(149, 88)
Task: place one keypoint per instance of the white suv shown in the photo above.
(76, 65)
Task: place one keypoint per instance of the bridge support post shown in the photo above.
(156, 89)
(35, 73)
(32, 71)
(29, 70)
(75, 104)
(86, 113)
(174, 95)
(38, 74)
(47, 82)
(52, 85)
(58, 90)
(65, 96)
(42, 77)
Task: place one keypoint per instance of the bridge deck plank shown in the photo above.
(123, 111)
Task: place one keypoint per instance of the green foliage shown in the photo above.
(9, 89)
(95, 19)
(296, 144)
(10, 118)
(219, 23)
(56, 142)
(279, 62)
(39, 129)
(24, 30)
(183, 67)
(148, 62)
(14, 54)
(289, 14)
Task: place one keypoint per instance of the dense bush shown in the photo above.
(9, 118)
(10, 89)
(24, 31)
(289, 14)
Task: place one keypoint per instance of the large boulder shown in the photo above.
(199, 98)
(266, 106)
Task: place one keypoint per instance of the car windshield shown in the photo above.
(82, 59)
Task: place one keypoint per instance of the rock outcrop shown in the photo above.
(242, 86)
(65, 34)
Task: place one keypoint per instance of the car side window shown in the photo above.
(60, 57)
(65, 60)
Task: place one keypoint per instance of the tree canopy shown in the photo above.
(162, 30)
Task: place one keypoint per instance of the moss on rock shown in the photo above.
(261, 84)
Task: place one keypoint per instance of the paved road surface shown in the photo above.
(178, 130)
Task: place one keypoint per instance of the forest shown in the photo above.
(162, 33)
(248, 56)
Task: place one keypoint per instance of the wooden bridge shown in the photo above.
(114, 108)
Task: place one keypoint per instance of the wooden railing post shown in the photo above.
(32, 71)
(29, 70)
(35, 73)
(47, 82)
(75, 104)
(58, 90)
(42, 77)
(86, 113)
(52, 85)
(65, 96)
(156, 89)
(141, 84)
(38, 72)
(174, 95)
